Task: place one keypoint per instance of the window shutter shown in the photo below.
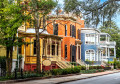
(65, 51)
(55, 29)
(70, 30)
(74, 31)
(74, 53)
(34, 46)
(71, 53)
(80, 34)
(65, 30)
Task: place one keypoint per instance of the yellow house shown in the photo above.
(50, 49)
(3, 53)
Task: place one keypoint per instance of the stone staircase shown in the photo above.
(63, 63)
(81, 62)
(104, 63)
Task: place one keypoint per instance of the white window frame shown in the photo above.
(90, 56)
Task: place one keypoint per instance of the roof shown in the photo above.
(43, 33)
(105, 34)
(91, 29)
(32, 30)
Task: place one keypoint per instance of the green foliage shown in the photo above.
(90, 62)
(11, 19)
(91, 71)
(93, 11)
(112, 29)
(83, 67)
(95, 67)
(76, 69)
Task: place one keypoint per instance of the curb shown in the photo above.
(85, 78)
(35, 78)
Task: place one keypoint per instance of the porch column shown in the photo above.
(114, 52)
(50, 47)
(30, 47)
(46, 47)
(102, 56)
(59, 50)
(55, 50)
(106, 52)
(77, 53)
(80, 52)
(106, 38)
(41, 48)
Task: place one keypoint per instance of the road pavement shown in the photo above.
(105, 79)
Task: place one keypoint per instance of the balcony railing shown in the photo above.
(107, 43)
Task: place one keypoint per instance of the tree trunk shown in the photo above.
(38, 49)
(11, 55)
(7, 60)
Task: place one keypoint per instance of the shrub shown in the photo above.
(95, 67)
(83, 67)
(76, 69)
(91, 71)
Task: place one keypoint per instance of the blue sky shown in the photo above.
(116, 18)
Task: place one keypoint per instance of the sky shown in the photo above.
(116, 19)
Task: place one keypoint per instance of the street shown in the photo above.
(106, 79)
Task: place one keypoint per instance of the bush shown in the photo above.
(107, 68)
(95, 67)
(83, 67)
(76, 69)
(91, 71)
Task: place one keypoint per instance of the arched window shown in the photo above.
(90, 55)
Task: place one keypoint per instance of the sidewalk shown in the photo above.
(66, 79)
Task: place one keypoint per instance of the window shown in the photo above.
(65, 51)
(90, 55)
(34, 46)
(48, 49)
(72, 31)
(90, 39)
(55, 30)
(65, 30)
(53, 49)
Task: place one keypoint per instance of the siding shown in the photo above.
(85, 47)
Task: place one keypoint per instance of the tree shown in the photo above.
(11, 18)
(38, 9)
(114, 31)
(93, 11)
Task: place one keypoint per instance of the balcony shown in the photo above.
(111, 43)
